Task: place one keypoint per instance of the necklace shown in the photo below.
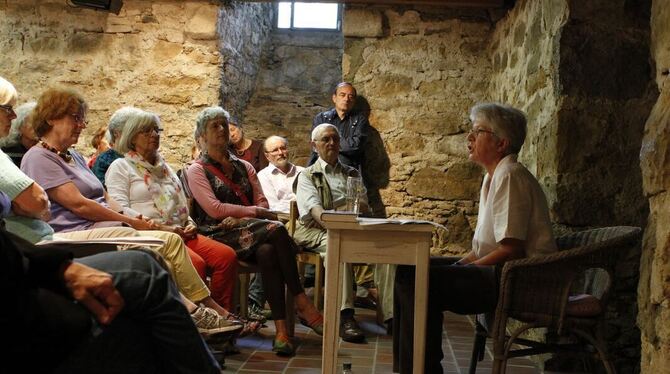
(65, 155)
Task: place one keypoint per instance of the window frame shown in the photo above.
(293, 28)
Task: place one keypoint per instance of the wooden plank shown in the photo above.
(445, 3)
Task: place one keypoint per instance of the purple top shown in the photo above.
(5, 205)
(49, 171)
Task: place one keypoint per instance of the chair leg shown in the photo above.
(318, 285)
(478, 348)
(244, 294)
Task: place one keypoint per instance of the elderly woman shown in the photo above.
(230, 207)
(21, 134)
(513, 223)
(78, 200)
(249, 150)
(144, 184)
(114, 130)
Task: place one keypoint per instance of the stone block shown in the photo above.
(409, 22)
(362, 23)
(460, 182)
(202, 25)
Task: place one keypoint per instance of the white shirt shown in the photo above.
(512, 205)
(278, 186)
(308, 197)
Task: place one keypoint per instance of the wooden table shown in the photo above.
(350, 242)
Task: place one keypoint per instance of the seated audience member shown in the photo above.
(21, 134)
(144, 184)
(112, 312)
(249, 150)
(230, 207)
(114, 130)
(99, 143)
(78, 200)
(331, 177)
(512, 223)
(277, 178)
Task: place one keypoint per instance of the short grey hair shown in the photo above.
(274, 137)
(205, 116)
(117, 121)
(22, 113)
(318, 130)
(137, 122)
(506, 121)
(8, 94)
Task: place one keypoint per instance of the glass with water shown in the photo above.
(355, 191)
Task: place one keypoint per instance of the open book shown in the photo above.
(145, 241)
(384, 221)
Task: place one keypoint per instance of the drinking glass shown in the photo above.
(355, 190)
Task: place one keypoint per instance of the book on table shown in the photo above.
(338, 216)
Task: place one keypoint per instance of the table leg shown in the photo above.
(420, 305)
(333, 301)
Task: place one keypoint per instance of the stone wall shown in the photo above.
(159, 56)
(420, 70)
(580, 71)
(298, 72)
(244, 31)
(654, 289)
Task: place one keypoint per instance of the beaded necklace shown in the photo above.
(65, 155)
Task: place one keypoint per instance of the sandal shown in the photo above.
(248, 327)
(316, 323)
(283, 346)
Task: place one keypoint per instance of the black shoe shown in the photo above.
(349, 330)
(365, 302)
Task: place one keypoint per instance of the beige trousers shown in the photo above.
(174, 252)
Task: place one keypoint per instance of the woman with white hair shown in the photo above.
(8, 97)
(512, 223)
(21, 134)
(230, 207)
(114, 130)
(144, 184)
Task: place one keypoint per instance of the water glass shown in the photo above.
(355, 190)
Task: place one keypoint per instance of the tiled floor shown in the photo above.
(374, 357)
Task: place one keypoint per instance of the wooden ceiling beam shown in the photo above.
(446, 3)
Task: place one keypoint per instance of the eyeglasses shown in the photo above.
(149, 130)
(79, 119)
(475, 132)
(8, 109)
(277, 150)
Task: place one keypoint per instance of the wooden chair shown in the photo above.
(306, 257)
(535, 291)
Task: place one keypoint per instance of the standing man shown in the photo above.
(320, 187)
(277, 178)
(352, 125)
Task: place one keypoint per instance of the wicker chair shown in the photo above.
(535, 291)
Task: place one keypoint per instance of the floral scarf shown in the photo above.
(164, 187)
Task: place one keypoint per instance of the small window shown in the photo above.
(297, 15)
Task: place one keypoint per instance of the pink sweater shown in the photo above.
(203, 194)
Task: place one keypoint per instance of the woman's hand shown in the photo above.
(265, 213)
(141, 223)
(189, 232)
(230, 223)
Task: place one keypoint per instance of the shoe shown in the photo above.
(316, 324)
(282, 345)
(227, 348)
(257, 313)
(365, 302)
(212, 325)
(350, 331)
(249, 326)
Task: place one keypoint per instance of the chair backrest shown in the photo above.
(536, 289)
(292, 217)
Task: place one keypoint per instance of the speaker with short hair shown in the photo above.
(113, 6)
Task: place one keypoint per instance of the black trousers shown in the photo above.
(459, 289)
